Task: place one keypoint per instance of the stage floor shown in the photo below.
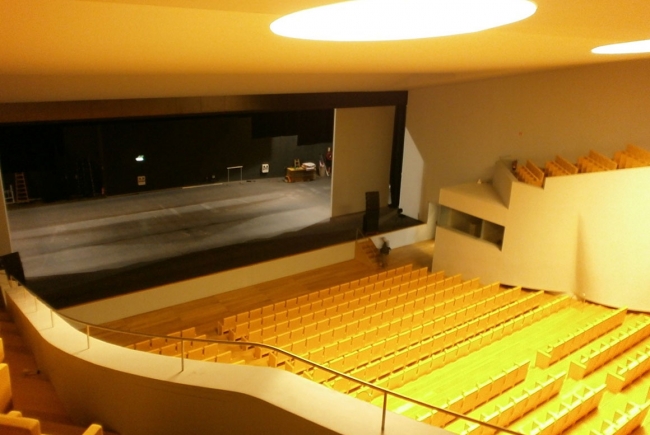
(80, 251)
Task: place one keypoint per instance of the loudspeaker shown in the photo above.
(371, 216)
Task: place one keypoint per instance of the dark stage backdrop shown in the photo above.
(177, 152)
(68, 160)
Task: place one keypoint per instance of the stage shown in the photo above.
(79, 251)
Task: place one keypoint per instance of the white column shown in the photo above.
(5, 236)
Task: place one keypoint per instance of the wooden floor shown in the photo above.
(204, 313)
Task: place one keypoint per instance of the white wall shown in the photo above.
(403, 237)
(5, 233)
(584, 234)
(613, 243)
(363, 139)
(412, 180)
(460, 130)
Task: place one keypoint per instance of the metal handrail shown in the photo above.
(386, 392)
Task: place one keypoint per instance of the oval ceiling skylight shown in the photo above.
(633, 47)
(389, 20)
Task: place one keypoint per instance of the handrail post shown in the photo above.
(182, 354)
(52, 318)
(88, 336)
(383, 412)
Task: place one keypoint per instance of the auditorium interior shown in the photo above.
(195, 206)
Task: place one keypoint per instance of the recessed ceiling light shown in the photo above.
(633, 47)
(389, 20)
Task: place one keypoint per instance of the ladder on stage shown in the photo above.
(21, 194)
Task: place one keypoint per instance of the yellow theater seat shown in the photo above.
(94, 429)
(15, 424)
(5, 388)
(10, 425)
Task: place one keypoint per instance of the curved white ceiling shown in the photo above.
(395, 20)
(105, 49)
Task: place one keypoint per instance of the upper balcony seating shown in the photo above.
(595, 162)
(560, 166)
(632, 157)
(530, 174)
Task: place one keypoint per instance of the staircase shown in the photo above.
(367, 253)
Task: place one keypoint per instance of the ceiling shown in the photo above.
(62, 50)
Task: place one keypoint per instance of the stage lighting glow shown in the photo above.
(633, 47)
(389, 20)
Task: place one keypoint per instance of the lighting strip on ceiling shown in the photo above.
(633, 47)
(390, 20)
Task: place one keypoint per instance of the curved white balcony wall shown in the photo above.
(134, 393)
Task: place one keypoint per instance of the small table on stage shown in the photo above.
(293, 175)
